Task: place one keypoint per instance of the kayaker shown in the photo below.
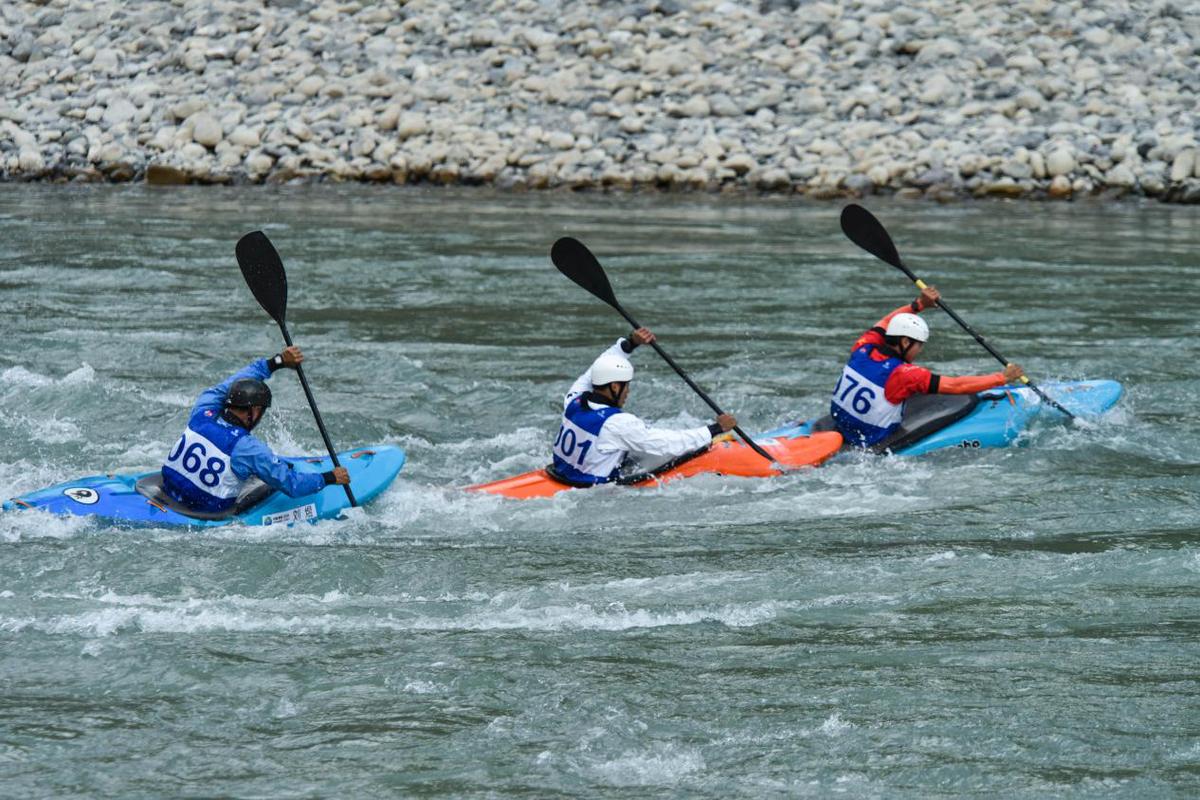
(868, 400)
(597, 434)
(217, 453)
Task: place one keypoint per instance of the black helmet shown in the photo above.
(247, 392)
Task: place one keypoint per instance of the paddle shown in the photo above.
(263, 271)
(862, 228)
(575, 261)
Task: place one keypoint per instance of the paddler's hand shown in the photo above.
(642, 336)
(928, 298)
(338, 476)
(1013, 373)
(727, 422)
(291, 357)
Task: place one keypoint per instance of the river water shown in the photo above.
(1023, 621)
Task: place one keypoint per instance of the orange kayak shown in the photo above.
(725, 457)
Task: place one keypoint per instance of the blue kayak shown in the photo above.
(139, 500)
(989, 419)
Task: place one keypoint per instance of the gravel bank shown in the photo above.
(1030, 98)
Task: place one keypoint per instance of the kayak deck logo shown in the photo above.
(82, 494)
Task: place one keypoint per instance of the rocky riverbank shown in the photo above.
(1028, 98)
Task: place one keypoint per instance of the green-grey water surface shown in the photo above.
(1019, 622)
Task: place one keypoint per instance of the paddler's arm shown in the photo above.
(251, 457)
(875, 334)
(628, 432)
(623, 347)
(262, 368)
(909, 379)
(970, 384)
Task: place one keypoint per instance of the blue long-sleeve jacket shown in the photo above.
(209, 438)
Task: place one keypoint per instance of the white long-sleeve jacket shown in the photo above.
(625, 433)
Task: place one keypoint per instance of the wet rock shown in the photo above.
(165, 175)
(1060, 187)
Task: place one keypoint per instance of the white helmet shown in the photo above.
(909, 325)
(611, 367)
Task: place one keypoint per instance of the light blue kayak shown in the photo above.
(989, 419)
(138, 500)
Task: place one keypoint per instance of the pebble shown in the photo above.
(206, 130)
(119, 110)
(244, 137)
(840, 97)
(1060, 162)
(1183, 165)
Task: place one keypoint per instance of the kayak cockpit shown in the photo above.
(150, 487)
(924, 414)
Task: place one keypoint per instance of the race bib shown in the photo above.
(204, 464)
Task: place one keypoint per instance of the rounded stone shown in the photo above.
(1060, 187)
(1060, 162)
(244, 137)
(696, 107)
(411, 124)
(1183, 165)
(310, 85)
(741, 163)
(1121, 176)
(632, 124)
(31, 162)
(206, 130)
(165, 175)
(106, 60)
(560, 140)
(119, 110)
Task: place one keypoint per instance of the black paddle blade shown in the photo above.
(861, 227)
(263, 271)
(577, 263)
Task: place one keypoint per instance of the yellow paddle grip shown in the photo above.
(920, 284)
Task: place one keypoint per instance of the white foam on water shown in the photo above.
(507, 440)
(424, 687)
(310, 614)
(53, 430)
(173, 399)
(410, 508)
(19, 376)
(660, 585)
(285, 709)
(834, 725)
(614, 617)
(26, 524)
(661, 765)
(144, 453)
(93, 648)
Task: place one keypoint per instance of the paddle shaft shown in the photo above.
(920, 284)
(687, 379)
(312, 403)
